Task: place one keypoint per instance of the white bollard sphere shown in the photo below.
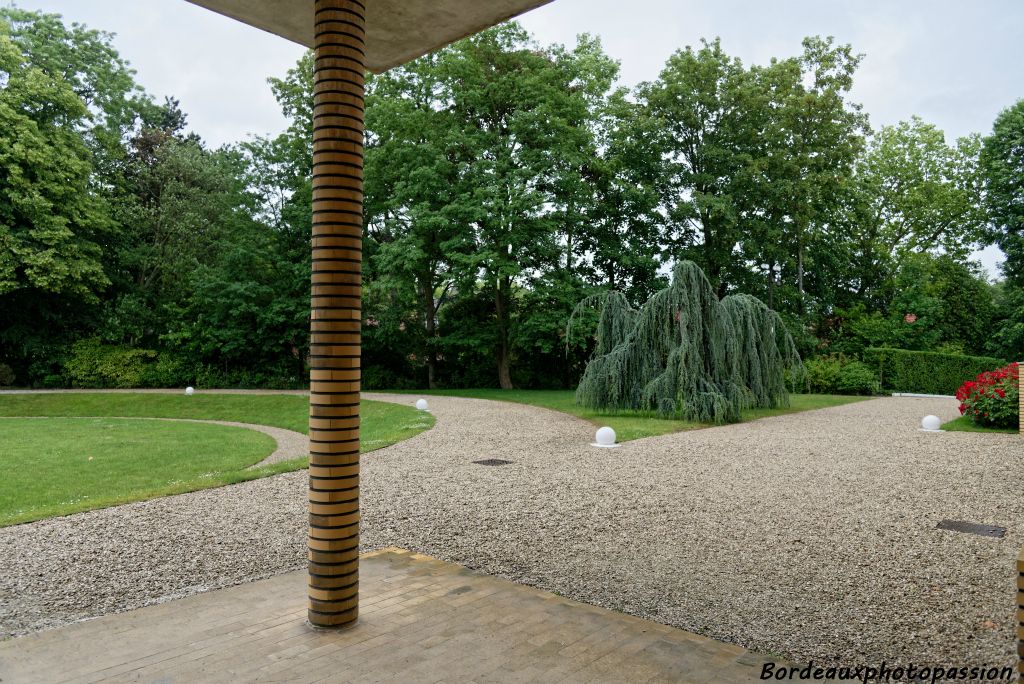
(606, 437)
(931, 423)
(422, 405)
(189, 391)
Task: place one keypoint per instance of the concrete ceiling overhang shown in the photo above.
(396, 30)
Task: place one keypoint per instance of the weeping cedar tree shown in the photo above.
(687, 354)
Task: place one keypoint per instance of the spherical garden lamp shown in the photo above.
(189, 391)
(605, 438)
(931, 424)
(422, 405)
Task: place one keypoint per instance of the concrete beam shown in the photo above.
(396, 30)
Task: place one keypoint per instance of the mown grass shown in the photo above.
(56, 466)
(630, 425)
(382, 423)
(57, 458)
(965, 424)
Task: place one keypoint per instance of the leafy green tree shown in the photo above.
(624, 231)
(53, 224)
(963, 286)
(812, 134)
(700, 104)
(925, 311)
(86, 61)
(181, 199)
(280, 173)
(524, 115)
(416, 218)
(1007, 337)
(914, 194)
(71, 103)
(755, 163)
(1002, 165)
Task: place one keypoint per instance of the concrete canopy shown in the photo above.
(396, 30)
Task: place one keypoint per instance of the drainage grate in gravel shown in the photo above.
(972, 528)
(492, 462)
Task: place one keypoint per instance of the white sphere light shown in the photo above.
(605, 437)
(422, 405)
(189, 391)
(931, 424)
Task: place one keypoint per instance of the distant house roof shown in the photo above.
(396, 30)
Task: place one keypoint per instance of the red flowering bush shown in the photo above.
(992, 398)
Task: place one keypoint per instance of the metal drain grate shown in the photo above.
(492, 462)
(972, 528)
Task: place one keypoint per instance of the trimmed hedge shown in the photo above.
(900, 370)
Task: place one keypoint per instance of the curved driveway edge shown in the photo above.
(289, 444)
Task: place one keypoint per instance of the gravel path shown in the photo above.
(807, 536)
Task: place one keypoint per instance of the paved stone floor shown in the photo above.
(423, 620)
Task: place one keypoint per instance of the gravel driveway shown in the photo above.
(805, 536)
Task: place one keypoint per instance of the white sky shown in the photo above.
(955, 63)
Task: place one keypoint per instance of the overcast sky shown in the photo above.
(952, 62)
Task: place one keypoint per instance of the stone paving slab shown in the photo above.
(422, 620)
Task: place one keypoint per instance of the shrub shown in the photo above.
(901, 370)
(6, 375)
(93, 364)
(839, 375)
(169, 370)
(271, 377)
(992, 399)
(857, 378)
(823, 374)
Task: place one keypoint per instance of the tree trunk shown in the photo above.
(430, 309)
(800, 276)
(501, 302)
(771, 286)
(712, 269)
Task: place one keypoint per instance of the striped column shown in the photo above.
(336, 313)
(1020, 615)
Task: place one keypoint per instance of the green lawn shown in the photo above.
(56, 466)
(631, 425)
(965, 424)
(382, 423)
(59, 461)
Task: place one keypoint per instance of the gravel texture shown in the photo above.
(805, 536)
(290, 444)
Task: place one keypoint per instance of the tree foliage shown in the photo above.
(506, 181)
(1002, 164)
(686, 354)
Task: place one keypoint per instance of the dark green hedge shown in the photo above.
(900, 370)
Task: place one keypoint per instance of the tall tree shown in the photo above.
(625, 230)
(53, 223)
(416, 219)
(522, 111)
(812, 134)
(1002, 164)
(700, 104)
(86, 61)
(914, 193)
